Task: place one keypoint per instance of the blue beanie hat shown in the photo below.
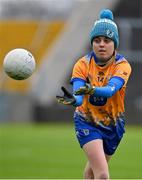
(105, 26)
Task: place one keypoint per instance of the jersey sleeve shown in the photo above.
(123, 70)
(80, 70)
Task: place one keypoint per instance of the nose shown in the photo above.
(102, 43)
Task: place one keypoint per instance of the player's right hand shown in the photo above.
(67, 98)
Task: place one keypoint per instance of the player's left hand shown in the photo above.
(87, 89)
(67, 98)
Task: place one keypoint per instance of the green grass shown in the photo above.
(52, 151)
(127, 161)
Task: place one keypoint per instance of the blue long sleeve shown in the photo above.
(114, 84)
(77, 83)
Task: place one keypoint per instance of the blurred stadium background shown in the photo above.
(57, 34)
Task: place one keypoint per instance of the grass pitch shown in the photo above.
(51, 151)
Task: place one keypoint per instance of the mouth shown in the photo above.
(102, 51)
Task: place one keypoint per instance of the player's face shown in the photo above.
(103, 48)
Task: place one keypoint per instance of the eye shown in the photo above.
(107, 40)
(97, 40)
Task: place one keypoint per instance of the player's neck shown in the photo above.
(101, 63)
(107, 61)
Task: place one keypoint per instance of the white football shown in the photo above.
(19, 64)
